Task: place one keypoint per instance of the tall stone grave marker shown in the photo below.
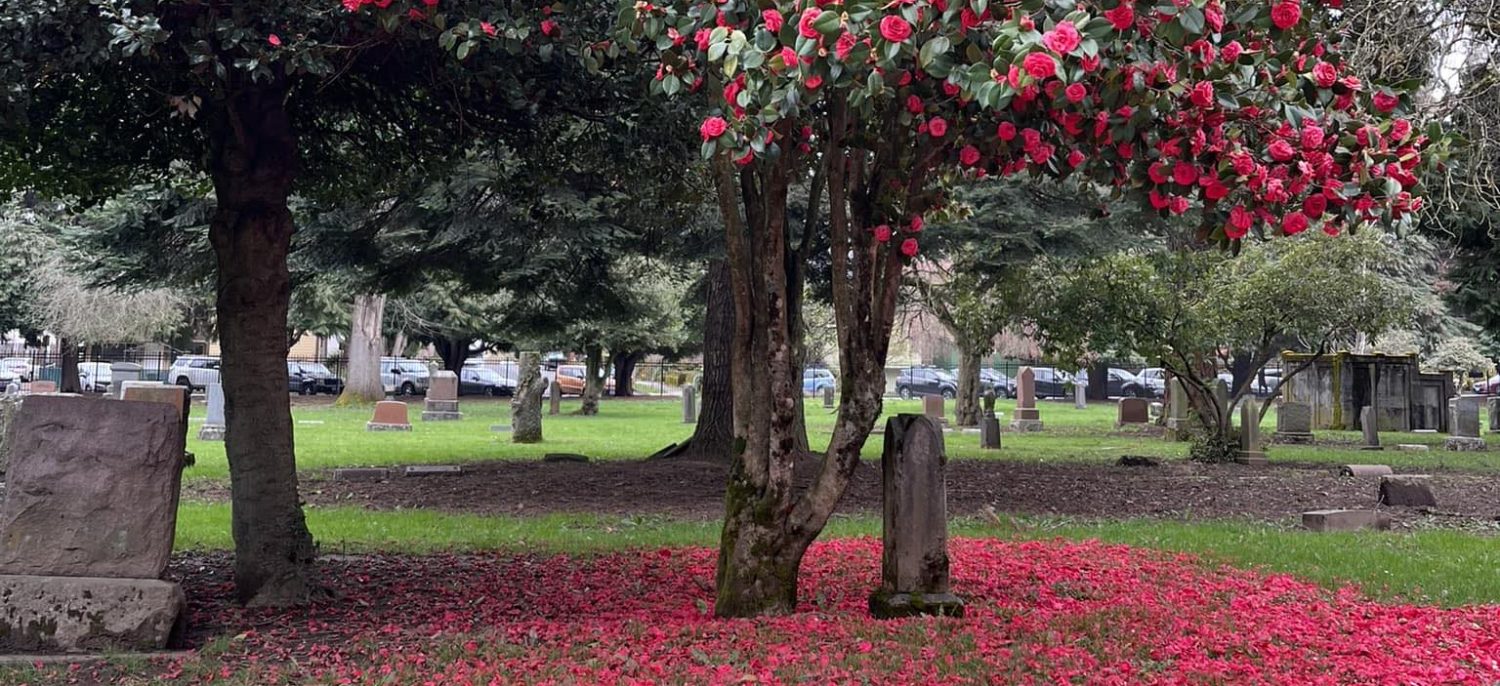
(390, 415)
(914, 563)
(1028, 417)
(87, 526)
(1133, 411)
(989, 424)
(1463, 413)
(554, 395)
(213, 425)
(689, 405)
(119, 373)
(1080, 393)
(526, 404)
(1294, 422)
(1177, 407)
(935, 406)
(828, 403)
(1494, 407)
(441, 404)
(1250, 452)
(1371, 428)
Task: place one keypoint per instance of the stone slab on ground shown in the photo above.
(1407, 490)
(360, 474)
(29, 660)
(70, 614)
(500, 428)
(92, 488)
(1413, 447)
(1465, 444)
(1365, 470)
(432, 470)
(565, 457)
(1344, 520)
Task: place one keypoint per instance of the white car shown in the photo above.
(16, 368)
(1155, 379)
(94, 377)
(1490, 386)
(194, 371)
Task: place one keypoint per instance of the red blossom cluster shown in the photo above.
(1038, 612)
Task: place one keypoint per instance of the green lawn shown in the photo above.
(336, 437)
(1440, 567)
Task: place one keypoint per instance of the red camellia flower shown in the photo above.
(1286, 14)
(1184, 174)
(844, 46)
(488, 28)
(1281, 151)
(916, 223)
(1063, 38)
(713, 127)
(938, 127)
(914, 104)
(549, 28)
(1006, 131)
(969, 155)
(813, 82)
(1400, 129)
(1314, 206)
(274, 39)
(895, 29)
(1075, 158)
(1231, 52)
(1203, 95)
(805, 25)
(1121, 17)
(1039, 65)
(1294, 223)
(1076, 92)
(1240, 221)
(1325, 74)
(773, 20)
(883, 233)
(1385, 102)
(909, 247)
(1312, 137)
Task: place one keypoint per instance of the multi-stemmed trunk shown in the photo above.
(253, 161)
(768, 524)
(363, 384)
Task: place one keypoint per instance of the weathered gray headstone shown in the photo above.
(1221, 396)
(68, 614)
(1370, 426)
(119, 373)
(914, 563)
(213, 425)
(689, 405)
(1494, 408)
(554, 397)
(1345, 520)
(92, 488)
(1250, 452)
(432, 470)
(989, 432)
(390, 415)
(526, 404)
(1294, 423)
(1407, 490)
(361, 474)
(1133, 411)
(1028, 417)
(935, 406)
(828, 403)
(9, 405)
(1080, 393)
(1463, 418)
(1177, 408)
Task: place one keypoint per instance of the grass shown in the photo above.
(336, 437)
(1436, 567)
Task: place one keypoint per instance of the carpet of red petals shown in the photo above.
(1039, 612)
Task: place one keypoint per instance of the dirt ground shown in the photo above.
(695, 490)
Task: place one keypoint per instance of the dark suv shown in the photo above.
(926, 381)
(312, 378)
(1052, 382)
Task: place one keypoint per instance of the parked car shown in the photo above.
(1052, 383)
(404, 377)
(1154, 378)
(815, 380)
(16, 369)
(94, 377)
(1004, 386)
(484, 381)
(915, 381)
(571, 378)
(1123, 384)
(194, 371)
(312, 378)
(1490, 386)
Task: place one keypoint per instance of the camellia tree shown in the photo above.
(1241, 111)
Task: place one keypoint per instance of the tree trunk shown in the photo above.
(593, 384)
(526, 403)
(364, 348)
(966, 408)
(454, 352)
(68, 363)
(253, 161)
(1242, 369)
(624, 364)
(398, 344)
(713, 435)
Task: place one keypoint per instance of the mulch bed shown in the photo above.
(689, 489)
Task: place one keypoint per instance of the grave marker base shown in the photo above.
(211, 433)
(70, 614)
(372, 426)
(1465, 444)
(887, 605)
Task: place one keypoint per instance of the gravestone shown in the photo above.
(554, 396)
(1080, 394)
(989, 424)
(1177, 404)
(1221, 396)
(119, 373)
(441, 404)
(213, 425)
(43, 387)
(1407, 490)
(526, 404)
(1133, 411)
(689, 405)
(1250, 452)
(1463, 413)
(1367, 424)
(361, 474)
(1028, 417)
(1294, 423)
(914, 559)
(935, 406)
(1156, 410)
(1365, 470)
(87, 526)
(1494, 407)
(175, 396)
(1345, 520)
(390, 415)
(828, 403)
(9, 405)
